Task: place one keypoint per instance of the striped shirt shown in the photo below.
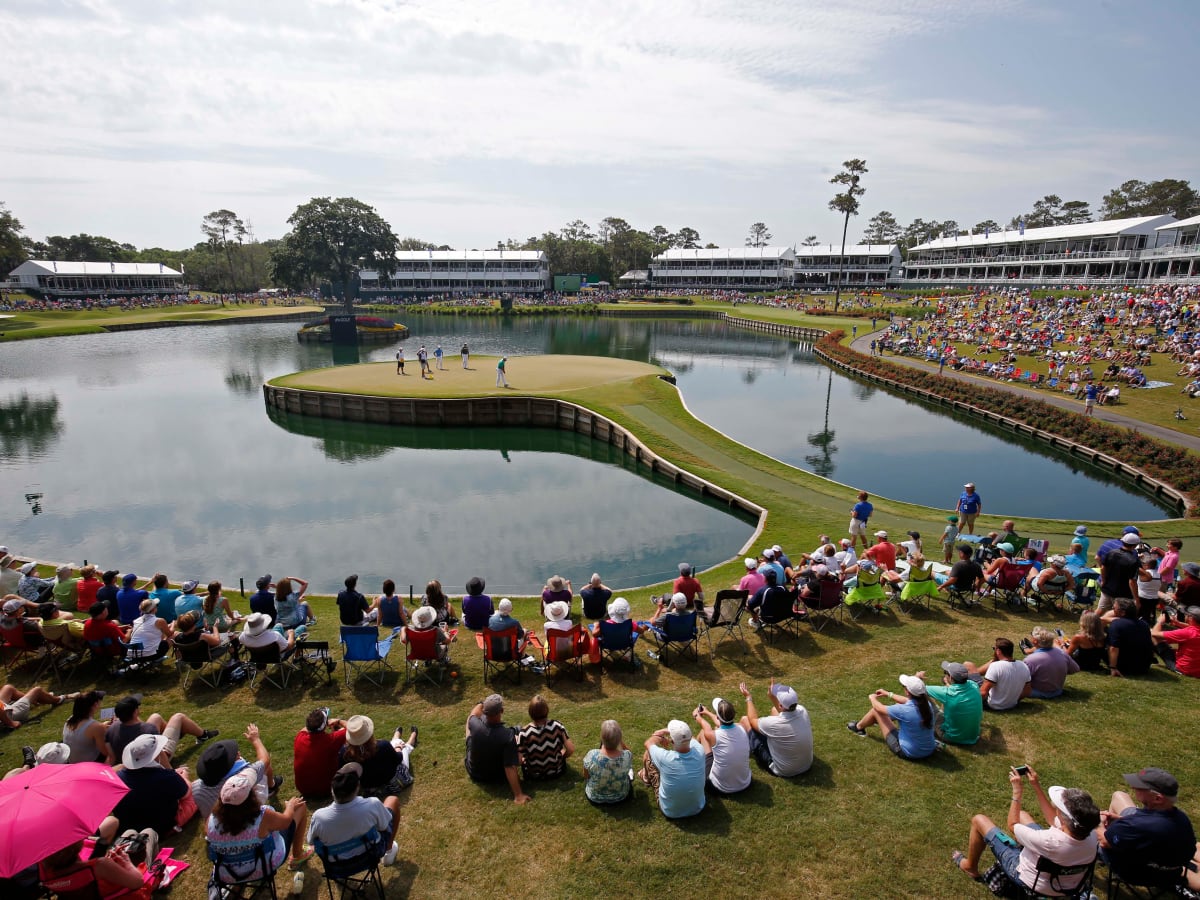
(542, 749)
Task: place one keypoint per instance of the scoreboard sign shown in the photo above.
(343, 330)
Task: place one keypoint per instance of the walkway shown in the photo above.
(1104, 414)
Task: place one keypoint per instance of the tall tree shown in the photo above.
(223, 228)
(686, 238)
(711, 246)
(88, 248)
(661, 238)
(986, 226)
(759, 235)
(810, 241)
(332, 239)
(882, 228)
(12, 246)
(846, 202)
(1168, 197)
(1046, 212)
(918, 232)
(1075, 212)
(412, 243)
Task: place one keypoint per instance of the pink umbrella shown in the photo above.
(50, 807)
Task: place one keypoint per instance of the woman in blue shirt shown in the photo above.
(907, 724)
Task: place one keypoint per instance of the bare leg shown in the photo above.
(1121, 801)
(108, 829)
(39, 696)
(158, 722)
(300, 816)
(8, 694)
(980, 825)
(185, 725)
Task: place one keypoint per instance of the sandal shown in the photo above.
(297, 862)
(957, 858)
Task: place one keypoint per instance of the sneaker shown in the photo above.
(412, 743)
(390, 856)
(150, 837)
(652, 654)
(853, 728)
(209, 734)
(276, 784)
(28, 757)
(755, 624)
(296, 862)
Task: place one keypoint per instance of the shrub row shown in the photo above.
(1158, 459)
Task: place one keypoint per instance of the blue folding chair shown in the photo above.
(678, 633)
(364, 654)
(242, 874)
(617, 643)
(353, 865)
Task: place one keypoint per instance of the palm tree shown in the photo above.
(846, 203)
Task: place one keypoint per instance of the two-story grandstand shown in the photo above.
(733, 268)
(461, 272)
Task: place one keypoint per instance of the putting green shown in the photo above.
(526, 374)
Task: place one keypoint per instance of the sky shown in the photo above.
(464, 122)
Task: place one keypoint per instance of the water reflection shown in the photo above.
(29, 426)
(822, 462)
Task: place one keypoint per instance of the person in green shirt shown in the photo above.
(962, 707)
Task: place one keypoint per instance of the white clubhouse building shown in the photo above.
(732, 268)
(862, 266)
(56, 278)
(462, 271)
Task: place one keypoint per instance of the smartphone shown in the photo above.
(107, 713)
(1021, 770)
(1058, 631)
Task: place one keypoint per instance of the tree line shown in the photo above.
(1166, 197)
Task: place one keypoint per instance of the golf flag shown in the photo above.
(1021, 227)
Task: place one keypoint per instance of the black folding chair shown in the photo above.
(272, 665)
(728, 624)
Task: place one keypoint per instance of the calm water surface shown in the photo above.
(153, 449)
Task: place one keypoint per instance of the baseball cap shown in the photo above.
(1131, 529)
(237, 787)
(881, 534)
(913, 685)
(750, 562)
(680, 732)
(1131, 539)
(128, 578)
(1153, 779)
(262, 582)
(346, 779)
(785, 696)
(13, 606)
(957, 671)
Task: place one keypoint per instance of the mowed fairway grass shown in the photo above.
(861, 823)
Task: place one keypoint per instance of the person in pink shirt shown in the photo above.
(753, 579)
(1170, 562)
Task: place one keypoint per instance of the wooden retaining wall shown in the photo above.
(535, 412)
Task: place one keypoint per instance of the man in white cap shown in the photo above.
(1119, 572)
(673, 767)
(155, 789)
(675, 605)
(970, 505)
(846, 557)
(31, 587)
(492, 748)
(728, 758)
(782, 742)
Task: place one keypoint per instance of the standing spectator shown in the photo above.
(727, 762)
(673, 767)
(949, 536)
(595, 598)
(492, 747)
(860, 513)
(1149, 844)
(1119, 572)
(1186, 635)
(1003, 681)
(962, 706)
(911, 737)
(353, 608)
(782, 742)
(1081, 538)
(476, 605)
(1170, 563)
(543, 746)
(315, 753)
(608, 768)
(970, 505)
(438, 353)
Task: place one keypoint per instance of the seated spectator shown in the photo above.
(315, 753)
(423, 620)
(962, 707)
(155, 789)
(222, 759)
(595, 598)
(1048, 664)
(392, 613)
(107, 593)
(966, 575)
(130, 597)
(436, 597)
(492, 747)
(883, 554)
(263, 599)
(1077, 557)
(259, 634)
(608, 768)
(1054, 579)
(291, 609)
(921, 582)
(503, 619)
(770, 591)
(353, 608)
(1003, 681)
(386, 770)
(166, 596)
(99, 628)
(83, 733)
(753, 580)
(770, 564)
(241, 822)
(1150, 843)
(1185, 635)
(14, 619)
(1067, 839)
(86, 588)
(911, 737)
(187, 601)
(32, 587)
(351, 816)
(618, 612)
(476, 605)
(1130, 644)
(60, 872)
(129, 726)
(557, 589)
(782, 742)
(543, 746)
(689, 586)
(150, 631)
(1088, 645)
(187, 633)
(675, 605)
(673, 767)
(64, 593)
(868, 588)
(558, 624)
(217, 610)
(727, 760)
(16, 705)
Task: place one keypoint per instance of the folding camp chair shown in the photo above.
(1007, 586)
(778, 615)
(1040, 546)
(63, 656)
(21, 647)
(985, 552)
(228, 879)
(567, 651)
(501, 654)
(828, 606)
(1087, 583)
(728, 624)
(1052, 384)
(202, 661)
(916, 591)
(617, 642)
(353, 865)
(1050, 596)
(1053, 876)
(314, 661)
(262, 659)
(421, 655)
(1159, 881)
(364, 654)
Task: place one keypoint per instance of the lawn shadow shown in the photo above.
(713, 819)
(398, 879)
(991, 740)
(819, 775)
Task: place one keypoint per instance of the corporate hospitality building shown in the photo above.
(862, 266)
(55, 278)
(733, 268)
(461, 271)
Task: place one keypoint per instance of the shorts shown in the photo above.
(893, 744)
(1008, 852)
(19, 710)
(172, 734)
(857, 526)
(1089, 403)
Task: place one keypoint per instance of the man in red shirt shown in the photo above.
(883, 554)
(687, 585)
(99, 627)
(315, 753)
(1187, 657)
